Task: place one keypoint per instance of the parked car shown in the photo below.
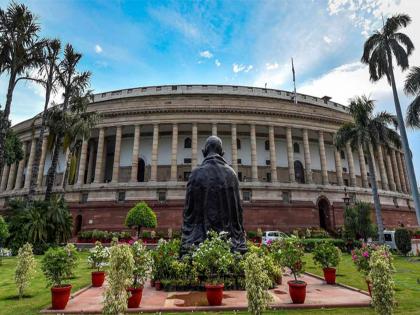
(270, 236)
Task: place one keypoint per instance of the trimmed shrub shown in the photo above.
(344, 246)
(403, 241)
(57, 265)
(326, 255)
(357, 221)
(141, 215)
(25, 268)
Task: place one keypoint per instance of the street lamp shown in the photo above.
(346, 198)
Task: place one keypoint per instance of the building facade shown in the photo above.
(150, 138)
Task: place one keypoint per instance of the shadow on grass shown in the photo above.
(16, 297)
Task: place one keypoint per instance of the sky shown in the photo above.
(138, 43)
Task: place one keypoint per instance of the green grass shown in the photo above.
(38, 295)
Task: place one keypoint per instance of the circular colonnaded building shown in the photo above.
(150, 138)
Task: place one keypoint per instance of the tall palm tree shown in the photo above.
(368, 130)
(378, 53)
(20, 51)
(412, 87)
(48, 79)
(74, 83)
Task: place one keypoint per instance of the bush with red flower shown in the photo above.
(361, 257)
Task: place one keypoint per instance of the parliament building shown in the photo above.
(150, 138)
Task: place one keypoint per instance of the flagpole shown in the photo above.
(294, 82)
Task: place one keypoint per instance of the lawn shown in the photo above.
(407, 279)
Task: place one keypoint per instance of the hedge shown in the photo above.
(344, 246)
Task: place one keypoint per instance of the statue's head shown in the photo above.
(213, 146)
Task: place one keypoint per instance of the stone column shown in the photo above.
(407, 183)
(290, 158)
(194, 141)
(99, 156)
(234, 148)
(254, 165)
(155, 147)
(82, 163)
(135, 155)
(30, 163)
(214, 129)
(307, 156)
(401, 172)
(323, 158)
(390, 172)
(174, 160)
(21, 167)
(362, 164)
(117, 156)
(338, 167)
(42, 162)
(273, 157)
(382, 169)
(395, 170)
(4, 176)
(351, 165)
(11, 179)
(90, 162)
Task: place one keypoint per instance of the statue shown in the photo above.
(212, 200)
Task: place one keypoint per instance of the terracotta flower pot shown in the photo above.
(98, 278)
(135, 297)
(158, 285)
(369, 285)
(60, 296)
(214, 294)
(329, 275)
(297, 291)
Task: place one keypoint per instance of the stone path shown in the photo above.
(318, 295)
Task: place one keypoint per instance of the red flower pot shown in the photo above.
(158, 285)
(369, 285)
(152, 283)
(135, 297)
(297, 291)
(329, 275)
(98, 278)
(60, 296)
(214, 294)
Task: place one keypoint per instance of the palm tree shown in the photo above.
(74, 83)
(48, 78)
(412, 87)
(20, 51)
(368, 130)
(379, 49)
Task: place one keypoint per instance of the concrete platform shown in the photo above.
(318, 295)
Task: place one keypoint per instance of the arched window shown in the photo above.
(238, 143)
(187, 143)
(343, 155)
(296, 147)
(267, 145)
(299, 172)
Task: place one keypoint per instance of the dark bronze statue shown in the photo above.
(212, 201)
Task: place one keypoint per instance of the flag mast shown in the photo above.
(294, 82)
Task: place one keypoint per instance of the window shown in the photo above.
(240, 176)
(239, 161)
(299, 172)
(267, 145)
(366, 160)
(186, 176)
(162, 196)
(84, 198)
(187, 143)
(267, 162)
(238, 143)
(129, 91)
(268, 177)
(345, 169)
(187, 161)
(343, 155)
(174, 87)
(143, 89)
(388, 237)
(103, 94)
(286, 196)
(246, 195)
(346, 182)
(121, 196)
(296, 147)
(395, 202)
(158, 88)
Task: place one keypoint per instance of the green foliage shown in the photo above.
(142, 264)
(121, 266)
(4, 231)
(73, 258)
(98, 256)
(103, 236)
(326, 255)
(361, 257)
(141, 215)
(213, 258)
(13, 151)
(165, 254)
(309, 244)
(357, 221)
(381, 270)
(257, 283)
(403, 240)
(25, 268)
(57, 265)
(291, 255)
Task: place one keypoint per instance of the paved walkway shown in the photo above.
(318, 294)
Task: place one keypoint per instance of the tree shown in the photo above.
(25, 268)
(378, 53)
(20, 51)
(141, 215)
(48, 79)
(73, 83)
(368, 130)
(12, 148)
(4, 234)
(357, 222)
(403, 241)
(412, 87)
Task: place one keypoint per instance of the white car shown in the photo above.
(270, 236)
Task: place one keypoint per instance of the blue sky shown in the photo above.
(134, 43)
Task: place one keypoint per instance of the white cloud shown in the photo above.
(98, 49)
(271, 66)
(206, 54)
(217, 63)
(327, 39)
(236, 68)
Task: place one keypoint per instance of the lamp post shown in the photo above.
(346, 198)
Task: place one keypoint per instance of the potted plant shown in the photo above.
(97, 258)
(163, 256)
(141, 271)
(361, 257)
(327, 256)
(291, 256)
(56, 265)
(213, 260)
(141, 215)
